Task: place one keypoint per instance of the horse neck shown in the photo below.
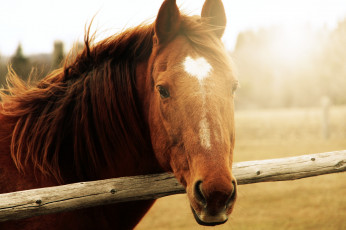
(142, 89)
(82, 144)
(122, 146)
(132, 152)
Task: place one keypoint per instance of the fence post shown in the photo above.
(325, 103)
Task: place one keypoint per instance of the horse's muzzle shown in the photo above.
(213, 204)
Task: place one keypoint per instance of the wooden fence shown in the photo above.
(23, 204)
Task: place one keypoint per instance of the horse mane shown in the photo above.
(86, 115)
(90, 105)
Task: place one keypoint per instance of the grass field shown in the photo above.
(312, 203)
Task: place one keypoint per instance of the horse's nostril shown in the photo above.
(233, 194)
(199, 193)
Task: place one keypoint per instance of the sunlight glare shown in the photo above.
(293, 44)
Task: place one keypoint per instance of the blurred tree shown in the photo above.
(58, 54)
(270, 77)
(255, 63)
(333, 65)
(20, 63)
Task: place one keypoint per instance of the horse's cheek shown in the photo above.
(180, 166)
(158, 134)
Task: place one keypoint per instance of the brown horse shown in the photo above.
(153, 98)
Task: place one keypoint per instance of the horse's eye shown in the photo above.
(163, 91)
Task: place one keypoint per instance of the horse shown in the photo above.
(154, 98)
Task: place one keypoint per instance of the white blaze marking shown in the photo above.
(204, 132)
(200, 69)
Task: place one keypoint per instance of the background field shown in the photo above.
(312, 203)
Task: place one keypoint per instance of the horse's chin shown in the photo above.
(207, 220)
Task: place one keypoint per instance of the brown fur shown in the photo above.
(100, 116)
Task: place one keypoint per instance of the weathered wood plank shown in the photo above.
(23, 204)
(290, 168)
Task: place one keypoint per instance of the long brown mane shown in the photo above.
(86, 115)
(89, 107)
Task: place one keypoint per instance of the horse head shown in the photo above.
(188, 106)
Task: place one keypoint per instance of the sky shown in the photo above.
(36, 24)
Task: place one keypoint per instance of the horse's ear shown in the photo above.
(167, 22)
(214, 12)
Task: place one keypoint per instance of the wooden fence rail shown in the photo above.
(23, 204)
